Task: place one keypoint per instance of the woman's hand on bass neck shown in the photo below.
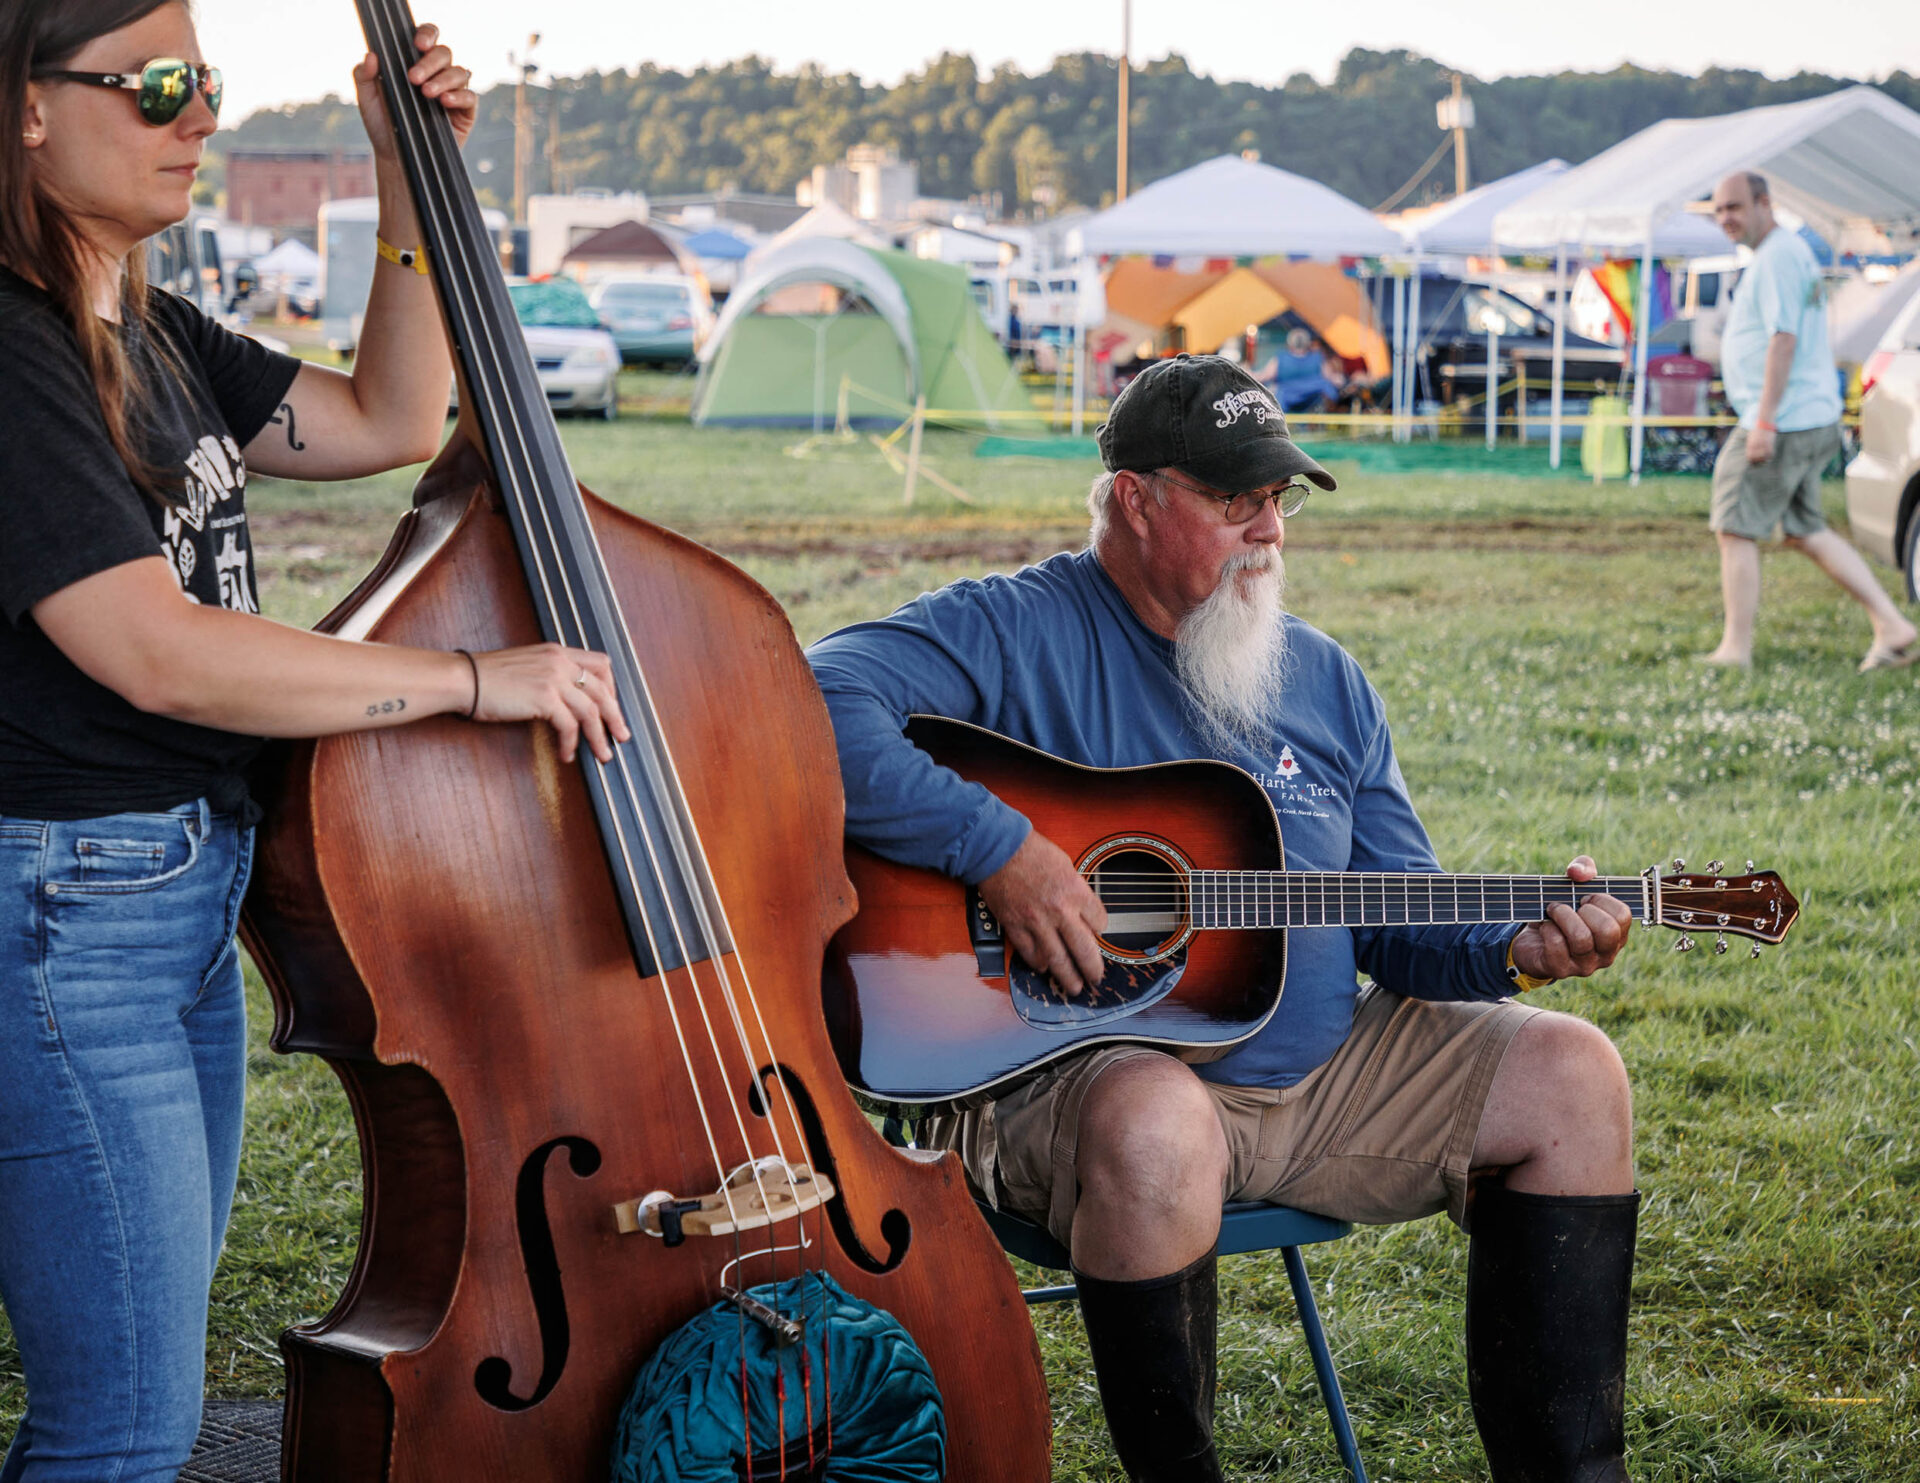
(437, 77)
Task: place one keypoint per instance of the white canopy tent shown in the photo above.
(1232, 207)
(1228, 207)
(1465, 227)
(1845, 162)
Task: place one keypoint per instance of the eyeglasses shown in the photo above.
(1241, 509)
(165, 86)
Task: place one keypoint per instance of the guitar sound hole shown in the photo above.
(1146, 901)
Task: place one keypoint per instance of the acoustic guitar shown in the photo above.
(926, 1002)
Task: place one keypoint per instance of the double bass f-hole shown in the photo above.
(493, 1377)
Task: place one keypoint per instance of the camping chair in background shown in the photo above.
(1245, 1227)
(1677, 386)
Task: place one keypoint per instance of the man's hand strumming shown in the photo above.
(1049, 913)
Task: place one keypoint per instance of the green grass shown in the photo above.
(1534, 641)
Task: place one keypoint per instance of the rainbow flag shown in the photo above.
(1618, 279)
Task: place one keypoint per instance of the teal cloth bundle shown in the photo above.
(683, 1423)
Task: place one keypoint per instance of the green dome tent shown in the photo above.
(897, 327)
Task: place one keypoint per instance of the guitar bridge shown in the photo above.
(989, 944)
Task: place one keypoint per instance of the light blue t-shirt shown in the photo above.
(1781, 292)
(1053, 656)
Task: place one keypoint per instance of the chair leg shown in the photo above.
(1323, 1370)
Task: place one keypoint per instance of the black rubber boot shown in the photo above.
(1548, 1278)
(1153, 1353)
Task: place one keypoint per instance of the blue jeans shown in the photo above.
(122, 1071)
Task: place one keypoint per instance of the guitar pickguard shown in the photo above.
(1125, 988)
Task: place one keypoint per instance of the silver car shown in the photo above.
(1883, 481)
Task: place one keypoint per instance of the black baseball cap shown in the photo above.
(1203, 415)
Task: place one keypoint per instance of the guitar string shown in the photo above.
(421, 130)
(1337, 892)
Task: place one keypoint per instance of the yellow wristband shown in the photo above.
(407, 257)
(1522, 982)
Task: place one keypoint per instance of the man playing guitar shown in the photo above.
(1431, 1088)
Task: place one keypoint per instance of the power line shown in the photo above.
(1418, 175)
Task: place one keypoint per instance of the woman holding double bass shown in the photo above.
(139, 679)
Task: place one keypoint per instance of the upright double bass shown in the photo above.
(576, 1009)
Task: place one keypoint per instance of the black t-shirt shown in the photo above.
(71, 748)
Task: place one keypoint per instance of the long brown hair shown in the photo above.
(40, 239)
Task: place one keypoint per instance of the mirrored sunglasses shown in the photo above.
(164, 85)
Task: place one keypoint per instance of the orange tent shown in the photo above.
(1212, 304)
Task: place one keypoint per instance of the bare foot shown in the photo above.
(1726, 660)
(1895, 640)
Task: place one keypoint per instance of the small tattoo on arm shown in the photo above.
(284, 417)
(387, 707)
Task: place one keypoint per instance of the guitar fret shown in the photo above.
(1326, 898)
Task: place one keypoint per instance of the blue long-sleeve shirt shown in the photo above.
(1053, 656)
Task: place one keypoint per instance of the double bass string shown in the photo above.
(411, 114)
(420, 130)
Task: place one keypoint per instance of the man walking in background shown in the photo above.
(1778, 370)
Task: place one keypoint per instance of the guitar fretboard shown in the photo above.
(1295, 898)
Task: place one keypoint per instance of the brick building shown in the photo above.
(283, 188)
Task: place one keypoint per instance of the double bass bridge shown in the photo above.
(758, 1194)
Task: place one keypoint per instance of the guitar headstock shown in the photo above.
(1756, 905)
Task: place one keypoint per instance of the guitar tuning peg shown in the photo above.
(1720, 944)
(1684, 945)
(1678, 865)
(1756, 951)
(1749, 867)
(1714, 866)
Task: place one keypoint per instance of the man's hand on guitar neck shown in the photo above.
(1049, 913)
(1574, 944)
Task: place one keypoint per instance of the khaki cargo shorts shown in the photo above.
(1750, 499)
(1383, 1132)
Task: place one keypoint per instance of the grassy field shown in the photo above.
(1534, 641)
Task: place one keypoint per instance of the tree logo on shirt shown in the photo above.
(1286, 766)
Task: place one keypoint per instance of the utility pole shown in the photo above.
(522, 128)
(553, 137)
(1126, 57)
(1456, 113)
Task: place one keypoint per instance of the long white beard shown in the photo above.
(1230, 652)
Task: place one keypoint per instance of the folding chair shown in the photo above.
(1245, 1226)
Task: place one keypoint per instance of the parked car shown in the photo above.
(572, 350)
(1883, 481)
(1455, 317)
(656, 318)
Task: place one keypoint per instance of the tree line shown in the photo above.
(1047, 140)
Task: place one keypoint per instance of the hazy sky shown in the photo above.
(269, 57)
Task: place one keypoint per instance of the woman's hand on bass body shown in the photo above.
(130, 628)
(570, 689)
